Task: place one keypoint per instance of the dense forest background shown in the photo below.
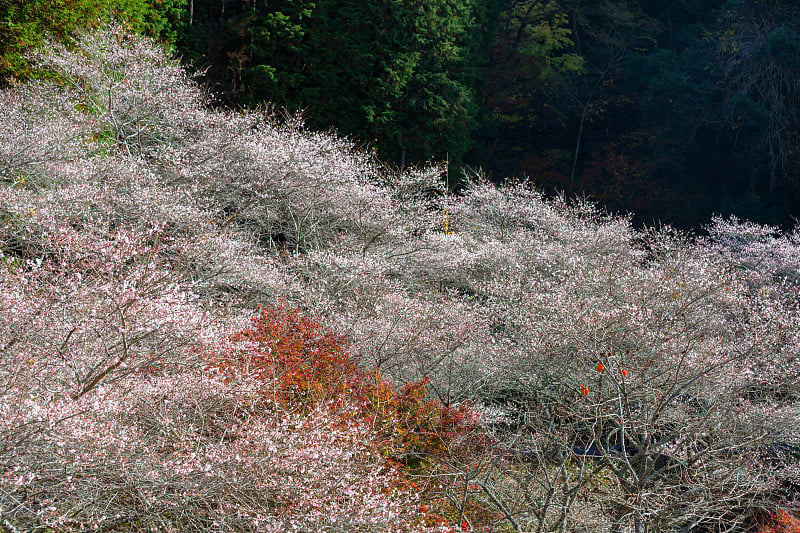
(670, 109)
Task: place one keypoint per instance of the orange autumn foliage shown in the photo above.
(295, 358)
(779, 522)
(302, 365)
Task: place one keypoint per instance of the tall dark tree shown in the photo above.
(758, 56)
(392, 72)
(246, 47)
(720, 92)
(399, 68)
(532, 61)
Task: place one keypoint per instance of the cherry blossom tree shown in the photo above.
(623, 379)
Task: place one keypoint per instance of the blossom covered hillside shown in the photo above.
(218, 320)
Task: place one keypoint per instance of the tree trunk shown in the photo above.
(577, 150)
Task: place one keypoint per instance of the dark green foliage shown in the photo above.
(392, 73)
(398, 67)
(248, 47)
(783, 45)
(704, 93)
(25, 24)
(531, 64)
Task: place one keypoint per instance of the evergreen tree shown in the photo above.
(758, 61)
(400, 70)
(394, 73)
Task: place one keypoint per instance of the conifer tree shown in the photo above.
(392, 73)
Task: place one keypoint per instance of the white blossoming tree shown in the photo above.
(622, 379)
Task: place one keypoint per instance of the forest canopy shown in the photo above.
(673, 110)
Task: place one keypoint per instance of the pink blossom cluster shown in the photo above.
(183, 450)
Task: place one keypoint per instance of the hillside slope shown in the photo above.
(624, 380)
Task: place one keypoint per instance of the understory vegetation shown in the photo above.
(223, 321)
